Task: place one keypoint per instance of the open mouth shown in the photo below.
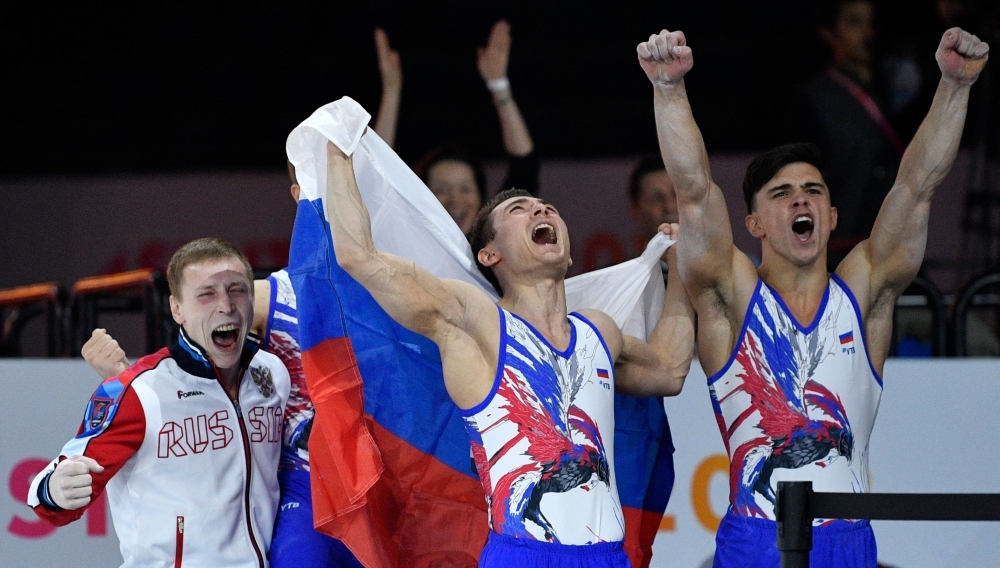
(225, 336)
(544, 234)
(803, 227)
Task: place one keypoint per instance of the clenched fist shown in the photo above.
(665, 58)
(70, 483)
(103, 353)
(961, 56)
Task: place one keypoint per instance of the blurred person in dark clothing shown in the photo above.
(844, 112)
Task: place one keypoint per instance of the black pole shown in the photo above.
(794, 523)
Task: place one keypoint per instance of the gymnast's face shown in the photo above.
(216, 308)
(530, 235)
(454, 184)
(792, 215)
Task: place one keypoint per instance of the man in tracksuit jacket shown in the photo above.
(186, 440)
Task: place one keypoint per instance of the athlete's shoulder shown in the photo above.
(604, 323)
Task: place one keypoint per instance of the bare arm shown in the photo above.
(879, 269)
(706, 251)
(392, 88)
(461, 319)
(261, 306)
(658, 367)
(492, 63)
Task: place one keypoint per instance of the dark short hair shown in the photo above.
(647, 165)
(483, 231)
(458, 154)
(291, 171)
(210, 248)
(764, 167)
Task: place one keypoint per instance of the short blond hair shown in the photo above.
(209, 248)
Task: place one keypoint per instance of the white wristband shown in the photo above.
(498, 85)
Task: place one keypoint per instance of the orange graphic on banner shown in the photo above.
(710, 466)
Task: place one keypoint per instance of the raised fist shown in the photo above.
(102, 353)
(665, 58)
(70, 483)
(961, 56)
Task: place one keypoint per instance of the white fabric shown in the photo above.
(408, 221)
(189, 477)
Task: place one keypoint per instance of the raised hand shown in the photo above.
(70, 483)
(961, 56)
(388, 62)
(665, 58)
(492, 59)
(102, 353)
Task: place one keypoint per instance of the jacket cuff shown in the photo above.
(43, 495)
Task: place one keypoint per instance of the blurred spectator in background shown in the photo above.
(844, 111)
(651, 198)
(451, 172)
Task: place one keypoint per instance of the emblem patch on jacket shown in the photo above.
(262, 378)
(97, 412)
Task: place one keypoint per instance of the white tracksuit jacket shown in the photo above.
(191, 475)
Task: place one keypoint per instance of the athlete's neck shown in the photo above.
(801, 287)
(543, 305)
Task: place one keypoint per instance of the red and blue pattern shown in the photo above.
(792, 404)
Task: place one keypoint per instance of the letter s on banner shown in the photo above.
(19, 483)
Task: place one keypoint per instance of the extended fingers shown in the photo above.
(500, 36)
(381, 42)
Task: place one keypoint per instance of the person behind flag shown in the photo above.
(295, 541)
(185, 440)
(794, 354)
(451, 172)
(535, 384)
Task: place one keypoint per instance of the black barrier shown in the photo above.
(798, 505)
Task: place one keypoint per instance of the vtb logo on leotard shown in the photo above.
(847, 342)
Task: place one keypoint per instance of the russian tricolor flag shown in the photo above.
(847, 338)
(391, 468)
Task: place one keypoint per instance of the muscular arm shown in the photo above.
(459, 318)
(658, 367)
(706, 244)
(261, 307)
(708, 262)
(880, 268)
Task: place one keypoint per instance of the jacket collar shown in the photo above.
(193, 358)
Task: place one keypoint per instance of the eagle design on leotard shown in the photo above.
(563, 442)
(800, 421)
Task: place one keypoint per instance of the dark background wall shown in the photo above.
(164, 86)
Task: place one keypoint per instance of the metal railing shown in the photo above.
(797, 506)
